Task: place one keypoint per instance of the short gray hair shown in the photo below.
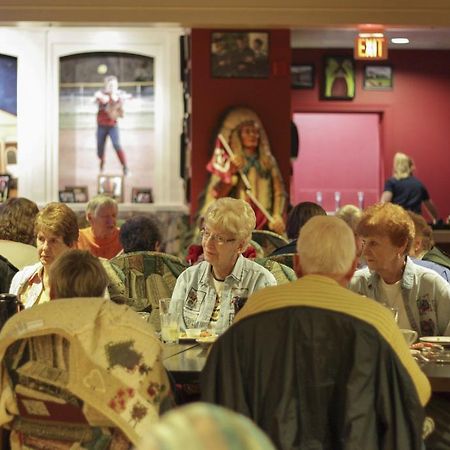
(98, 202)
(232, 215)
(326, 245)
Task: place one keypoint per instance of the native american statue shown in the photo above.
(242, 166)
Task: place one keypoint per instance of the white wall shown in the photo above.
(38, 50)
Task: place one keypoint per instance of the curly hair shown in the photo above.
(17, 217)
(232, 215)
(389, 220)
(139, 233)
(60, 220)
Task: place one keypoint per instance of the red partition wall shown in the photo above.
(415, 114)
(270, 98)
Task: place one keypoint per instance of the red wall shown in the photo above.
(270, 98)
(415, 113)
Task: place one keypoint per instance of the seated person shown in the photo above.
(297, 217)
(7, 272)
(17, 238)
(423, 247)
(202, 426)
(140, 234)
(56, 229)
(351, 215)
(77, 273)
(420, 295)
(214, 290)
(347, 378)
(102, 237)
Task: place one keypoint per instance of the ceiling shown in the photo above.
(419, 38)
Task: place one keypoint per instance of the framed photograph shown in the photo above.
(4, 187)
(338, 78)
(378, 78)
(67, 196)
(141, 195)
(302, 76)
(243, 54)
(80, 193)
(111, 185)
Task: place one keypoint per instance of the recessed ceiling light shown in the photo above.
(400, 40)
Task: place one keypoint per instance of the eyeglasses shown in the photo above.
(219, 240)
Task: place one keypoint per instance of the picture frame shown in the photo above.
(141, 195)
(66, 196)
(338, 78)
(80, 193)
(240, 54)
(5, 180)
(378, 77)
(302, 76)
(112, 186)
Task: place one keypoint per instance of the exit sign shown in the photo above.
(370, 48)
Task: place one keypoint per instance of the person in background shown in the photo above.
(423, 246)
(17, 238)
(214, 290)
(298, 216)
(404, 189)
(77, 273)
(351, 215)
(110, 108)
(102, 237)
(423, 238)
(140, 234)
(420, 295)
(202, 426)
(56, 229)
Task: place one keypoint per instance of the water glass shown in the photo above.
(169, 322)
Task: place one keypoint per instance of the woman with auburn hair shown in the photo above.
(17, 239)
(213, 291)
(420, 295)
(404, 189)
(56, 229)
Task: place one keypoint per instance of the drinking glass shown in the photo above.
(169, 322)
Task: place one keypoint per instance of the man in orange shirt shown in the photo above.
(102, 237)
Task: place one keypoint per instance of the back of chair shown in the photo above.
(268, 240)
(146, 277)
(81, 372)
(282, 273)
(313, 378)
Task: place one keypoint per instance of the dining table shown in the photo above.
(186, 360)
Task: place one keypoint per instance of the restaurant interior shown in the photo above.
(333, 145)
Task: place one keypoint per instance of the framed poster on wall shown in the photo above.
(378, 77)
(338, 78)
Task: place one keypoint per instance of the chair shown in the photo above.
(140, 279)
(268, 240)
(315, 378)
(282, 273)
(287, 259)
(80, 373)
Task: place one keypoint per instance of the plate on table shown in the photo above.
(441, 340)
(207, 339)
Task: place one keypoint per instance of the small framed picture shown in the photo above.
(378, 77)
(338, 78)
(111, 185)
(240, 54)
(302, 76)
(80, 193)
(67, 196)
(141, 195)
(4, 187)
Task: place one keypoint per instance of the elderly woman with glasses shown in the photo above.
(212, 292)
(420, 295)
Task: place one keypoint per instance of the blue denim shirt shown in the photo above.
(195, 296)
(426, 297)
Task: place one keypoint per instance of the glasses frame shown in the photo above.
(219, 240)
